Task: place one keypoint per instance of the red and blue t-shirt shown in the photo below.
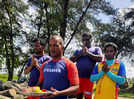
(59, 74)
(35, 73)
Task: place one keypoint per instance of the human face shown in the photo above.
(55, 47)
(86, 41)
(110, 53)
(37, 47)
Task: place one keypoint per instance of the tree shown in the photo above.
(10, 29)
(67, 18)
(120, 33)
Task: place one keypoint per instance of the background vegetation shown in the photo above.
(23, 20)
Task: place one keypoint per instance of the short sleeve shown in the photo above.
(122, 70)
(99, 51)
(77, 52)
(95, 70)
(72, 73)
(29, 62)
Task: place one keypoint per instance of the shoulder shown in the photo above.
(46, 62)
(122, 65)
(47, 57)
(122, 70)
(97, 48)
(77, 51)
(67, 61)
(120, 62)
(29, 59)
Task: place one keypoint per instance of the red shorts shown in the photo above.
(86, 87)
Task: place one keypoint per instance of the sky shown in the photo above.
(117, 4)
(121, 3)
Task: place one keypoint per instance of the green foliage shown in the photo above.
(10, 28)
(55, 17)
(4, 77)
(126, 94)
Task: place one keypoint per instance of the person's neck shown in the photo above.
(41, 54)
(110, 61)
(88, 46)
(57, 58)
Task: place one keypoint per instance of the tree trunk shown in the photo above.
(64, 22)
(21, 71)
(10, 76)
(7, 58)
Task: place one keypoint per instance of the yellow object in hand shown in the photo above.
(36, 89)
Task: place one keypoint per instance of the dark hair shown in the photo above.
(42, 42)
(87, 34)
(111, 44)
(35, 40)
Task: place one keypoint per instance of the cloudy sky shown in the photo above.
(121, 3)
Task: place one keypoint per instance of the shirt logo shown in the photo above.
(52, 70)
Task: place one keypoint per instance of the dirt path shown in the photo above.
(118, 98)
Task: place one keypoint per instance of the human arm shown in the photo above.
(73, 78)
(121, 77)
(29, 66)
(95, 57)
(67, 92)
(95, 75)
(76, 56)
(28, 69)
(118, 79)
(31, 63)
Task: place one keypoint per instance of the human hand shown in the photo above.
(54, 94)
(35, 62)
(84, 51)
(105, 68)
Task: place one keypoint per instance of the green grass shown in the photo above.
(126, 94)
(4, 77)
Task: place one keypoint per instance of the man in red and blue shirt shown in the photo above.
(59, 75)
(86, 59)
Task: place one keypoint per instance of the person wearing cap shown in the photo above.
(85, 59)
(35, 61)
(108, 74)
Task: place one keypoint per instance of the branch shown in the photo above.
(78, 23)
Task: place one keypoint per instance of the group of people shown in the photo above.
(75, 76)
